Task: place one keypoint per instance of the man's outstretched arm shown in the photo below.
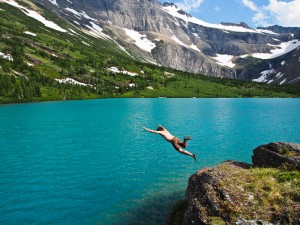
(152, 131)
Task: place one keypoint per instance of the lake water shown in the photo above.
(91, 162)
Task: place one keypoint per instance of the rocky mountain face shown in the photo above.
(166, 35)
(266, 192)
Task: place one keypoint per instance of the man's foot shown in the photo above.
(194, 156)
(187, 138)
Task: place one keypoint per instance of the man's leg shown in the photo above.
(186, 153)
(177, 144)
(184, 143)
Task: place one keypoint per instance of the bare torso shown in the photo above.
(166, 135)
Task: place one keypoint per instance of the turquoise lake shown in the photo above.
(91, 162)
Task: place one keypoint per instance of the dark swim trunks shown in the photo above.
(177, 144)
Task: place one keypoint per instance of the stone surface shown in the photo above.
(242, 194)
(206, 196)
(277, 154)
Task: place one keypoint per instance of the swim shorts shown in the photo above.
(177, 144)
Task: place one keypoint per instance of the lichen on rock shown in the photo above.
(277, 154)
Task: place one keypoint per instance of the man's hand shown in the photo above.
(152, 131)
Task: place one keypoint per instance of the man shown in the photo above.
(177, 144)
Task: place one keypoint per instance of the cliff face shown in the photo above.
(238, 193)
(181, 58)
(183, 42)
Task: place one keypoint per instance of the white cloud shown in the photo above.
(188, 5)
(216, 8)
(275, 12)
(285, 13)
(251, 5)
(261, 19)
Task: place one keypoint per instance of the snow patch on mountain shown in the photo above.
(85, 43)
(80, 14)
(266, 32)
(279, 75)
(6, 56)
(195, 34)
(194, 47)
(283, 81)
(140, 40)
(74, 32)
(264, 75)
(169, 29)
(121, 47)
(30, 33)
(279, 50)
(294, 80)
(225, 60)
(35, 15)
(178, 41)
(77, 23)
(71, 81)
(53, 2)
(96, 31)
(116, 70)
(174, 11)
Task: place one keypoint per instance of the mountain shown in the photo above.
(53, 50)
(168, 36)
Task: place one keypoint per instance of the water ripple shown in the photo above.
(90, 162)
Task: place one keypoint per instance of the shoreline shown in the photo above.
(142, 97)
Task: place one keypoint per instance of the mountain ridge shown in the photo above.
(185, 42)
(48, 57)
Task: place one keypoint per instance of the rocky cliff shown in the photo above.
(245, 194)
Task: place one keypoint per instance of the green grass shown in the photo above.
(192, 87)
(263, 193)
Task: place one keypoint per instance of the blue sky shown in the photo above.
(253, 12)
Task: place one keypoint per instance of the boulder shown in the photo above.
(237, 193)
(210, 202)
(277, 155)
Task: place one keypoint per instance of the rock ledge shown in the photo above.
(277, 154)
(244, 194)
